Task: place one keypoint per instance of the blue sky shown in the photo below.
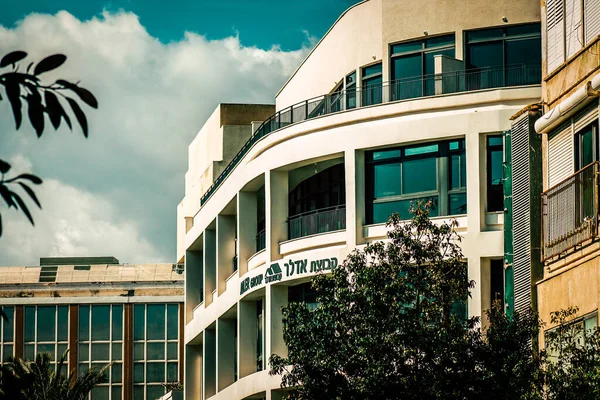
(158, 70)
(260, 23)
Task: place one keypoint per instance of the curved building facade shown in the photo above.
(400, 101)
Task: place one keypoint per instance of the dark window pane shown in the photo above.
(172, 372)
(155, 391)
(139, 324)
(521, 53)
(172, 321)
(485, 55)
(407, 74)
(371, 91)
(527, 29)
(138, 392)
(382, 211)
(455, 172)
(497, 281)
(156, 322)
(8, 351)
(60, 350)
(84, 322)
(117, 322)
(386, 180)
(155, 351)
(419, 175)
(586, 149)
(29, 352)
(372, 69)
(47, 348)
(63, 323)
(138, 373)
(447, 40)
(117, 351)
(172, 350)
(100, 351)
(116, 392)
(117, 373)
(101, 322)
(155, 372)
(46, 323)
(100, 393)
(138, 351)
(351, 79)
(84, 352)
(486, 34)
(495, 140)
(458, 203)
(7, 326)
(407, 47)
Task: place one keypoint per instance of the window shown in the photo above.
(46, 330)
(371, 85)
(260, 219)
(412, 65)
(351, 90)
(497, 281)
(507, 56)
(494, 173)
(303, 293)
(586, 152)
(587, 323)
(259, 335)
(155, 348)
(398, 177)
(100, 343)
(7, 337)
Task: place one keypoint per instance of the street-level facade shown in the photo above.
(399, 102)
(102, 312)
(570, 249)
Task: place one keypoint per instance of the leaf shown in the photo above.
(12, 58)
(4, 167)
(0, 225)
(49, 63)
(53, 108)
(31, 193)
(36, 112)
(6, 195)
(79, 115)
(13, 91)
(30, 177)
(83, 94)
(23, 207)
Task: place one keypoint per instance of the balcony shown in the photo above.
(459, 81)
(261, 240)
(570, 212)
(317, 221)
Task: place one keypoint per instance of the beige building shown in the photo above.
(569, 130)
(102, 312)
(399, 101)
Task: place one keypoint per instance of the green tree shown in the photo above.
(387, 325)
(26, 380)
(42, 100)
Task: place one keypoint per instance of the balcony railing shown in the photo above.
(570, 212)
(317, 221)
(404, 89)
(261, 240)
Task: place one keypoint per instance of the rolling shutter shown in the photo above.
(555, 38)
(560, 155)
(574, 34)
(591, 15)
(586, 117)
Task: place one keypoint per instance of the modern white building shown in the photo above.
(400, 101)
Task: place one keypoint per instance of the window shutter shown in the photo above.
(555, 53)
(573, 26)
(591, 15)
(560, 155)
(586, 117)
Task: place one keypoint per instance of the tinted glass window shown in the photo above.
(407, 66)
(117, 322)
(156, 322)
(172, 321)
(485, 55)
(386, 180)
(84, 322)
(101, 322)
(139, 323)
(494, 174)
(419, 175)
(46, 324)
(29, 323)
(372, 69)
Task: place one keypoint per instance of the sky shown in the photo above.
(158, 73)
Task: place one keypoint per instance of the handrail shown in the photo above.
(398, 90)
(312, 222)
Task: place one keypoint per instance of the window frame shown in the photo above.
(578, 138)
(59, 345)
(488, 176)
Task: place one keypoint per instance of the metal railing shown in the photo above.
(261, 240)
(403, 89)
(570, 212)
(317, 221)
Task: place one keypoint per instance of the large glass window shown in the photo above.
(400, 176)
(303, 293)
(7, 334)
(412, 66)
(155, 348)
(371, 85)
(494, 166)
(46, 331)
(351, 90)
(506, 56)
(100, 343)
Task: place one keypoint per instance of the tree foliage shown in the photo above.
(389, 325)
(26, 87)
(25, 380)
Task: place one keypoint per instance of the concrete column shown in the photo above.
(192, 385)
(276, 211)
(194, 282)
(225, 249)
(246, 227)
(351, 222)
(247, 331)
(210, 264)
(209, 368)
(474, 143)
(359, 195)
(485, 289)
(476, 293)
(225, 352)
(276, 297)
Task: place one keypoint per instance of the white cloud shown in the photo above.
(153, 99)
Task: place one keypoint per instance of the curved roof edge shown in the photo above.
(317, 45)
